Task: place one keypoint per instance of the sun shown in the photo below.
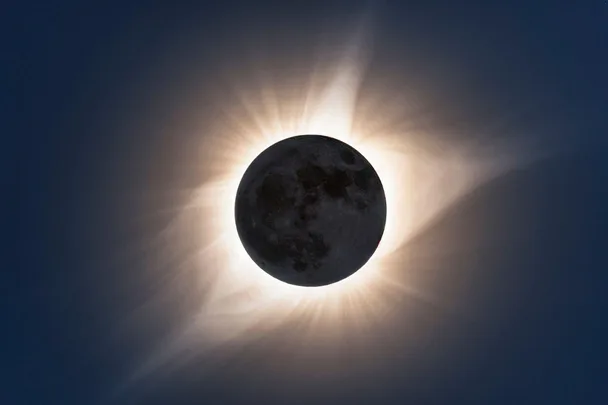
(238, 301)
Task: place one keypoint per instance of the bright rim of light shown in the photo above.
(241, 265)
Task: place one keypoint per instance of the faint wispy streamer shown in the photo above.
(236, 302)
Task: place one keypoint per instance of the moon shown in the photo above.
(310, 210)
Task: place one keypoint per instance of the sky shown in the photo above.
(109, 113)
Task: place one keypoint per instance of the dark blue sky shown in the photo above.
(536, 242)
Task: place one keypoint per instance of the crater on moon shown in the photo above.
(310, 210)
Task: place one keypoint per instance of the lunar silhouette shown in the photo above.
(310, 210)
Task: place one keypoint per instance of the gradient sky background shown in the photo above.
(89, 176)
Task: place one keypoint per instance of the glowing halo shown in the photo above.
(239, 301)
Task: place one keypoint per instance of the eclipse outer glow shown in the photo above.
(238, 299)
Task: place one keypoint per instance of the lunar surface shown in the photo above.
(310, 210)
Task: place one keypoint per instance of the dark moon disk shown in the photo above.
(310, 210)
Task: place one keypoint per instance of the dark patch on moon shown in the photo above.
(310, 210)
